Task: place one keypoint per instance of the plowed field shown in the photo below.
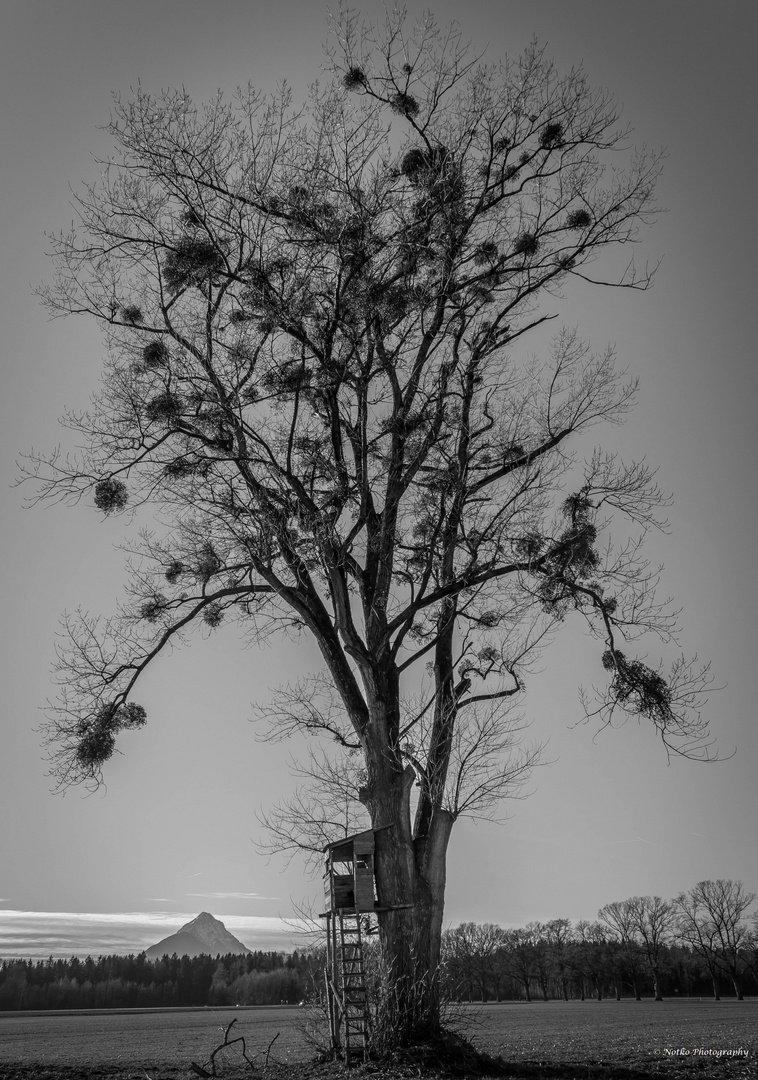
(588, 1040)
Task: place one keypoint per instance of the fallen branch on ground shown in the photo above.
(202, 1071)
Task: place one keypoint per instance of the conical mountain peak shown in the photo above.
(202, 935)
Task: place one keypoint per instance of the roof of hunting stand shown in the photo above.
(359, 843)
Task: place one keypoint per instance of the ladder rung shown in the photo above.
(353, 1006)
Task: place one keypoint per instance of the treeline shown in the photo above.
(132, 982)
(701, 943)
(698, 944)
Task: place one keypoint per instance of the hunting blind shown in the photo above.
(351, 894)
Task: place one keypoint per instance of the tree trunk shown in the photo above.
(410, 879)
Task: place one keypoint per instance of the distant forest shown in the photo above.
(134, 982)
(476, 969)
(700, 944)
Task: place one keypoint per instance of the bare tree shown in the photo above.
(751, 946)
(620, 921)
(653, 921)
(315, 321)
(590, 955)
(520, 958)
(558, 935)
(710, 921)
(474, 947)
(543, 956)
(643, 926)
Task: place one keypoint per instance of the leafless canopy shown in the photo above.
(315, 320)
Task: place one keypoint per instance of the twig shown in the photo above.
(201, 1071)
(268, 1048)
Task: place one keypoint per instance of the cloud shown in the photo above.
(39, 934)
(231, 896)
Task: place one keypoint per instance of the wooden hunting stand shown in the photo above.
(350, 888)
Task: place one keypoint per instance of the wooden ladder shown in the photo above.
(355, 1014)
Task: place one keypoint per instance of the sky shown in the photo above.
(174, 831)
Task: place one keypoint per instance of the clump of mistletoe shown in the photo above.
(573, 558)
(638, 688)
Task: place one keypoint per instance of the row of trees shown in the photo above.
(694, 944)
(127, 982)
